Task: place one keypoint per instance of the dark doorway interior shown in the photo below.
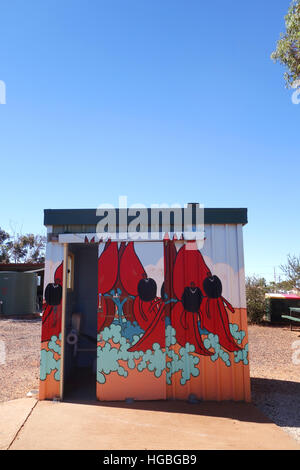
(81, 357)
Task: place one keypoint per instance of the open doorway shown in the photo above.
(81, 323)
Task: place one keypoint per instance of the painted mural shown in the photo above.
(172, 321)
(164, 328)
(51, 336)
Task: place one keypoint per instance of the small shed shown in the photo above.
(145, 304)
(18, 293)
(37, 268)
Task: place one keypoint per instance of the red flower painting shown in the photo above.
(199, 296)
(148, 309)
(108, 267)
(113, 296)
(191, 296)
(51, 320)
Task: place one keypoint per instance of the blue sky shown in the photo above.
(162, 101)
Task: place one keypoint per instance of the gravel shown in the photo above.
(275, 379)
(20, 373)
(275, 376)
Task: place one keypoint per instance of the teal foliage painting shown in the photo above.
(113, 349)
(48, 363)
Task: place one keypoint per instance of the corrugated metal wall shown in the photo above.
(166, 330)
(51, 328)
(165, 345)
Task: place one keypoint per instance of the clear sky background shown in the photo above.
(169, 101)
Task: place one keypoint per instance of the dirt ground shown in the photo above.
(20, 373)
(275, 374)
(275, 377)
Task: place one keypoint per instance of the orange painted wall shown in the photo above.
(49, 386)
(212, 379)
(216, 381)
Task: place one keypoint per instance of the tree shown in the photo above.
(35, 245)
(4, 250)
(18, 248)
(292, 271)
(256, 288)
(288, 47)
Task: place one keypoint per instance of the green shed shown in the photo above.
(279, 304)
(18, 293)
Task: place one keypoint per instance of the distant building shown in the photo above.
(39, 268)
(279, 304)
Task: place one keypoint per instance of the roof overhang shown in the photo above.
(55, 217)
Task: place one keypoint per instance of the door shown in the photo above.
(81, 323)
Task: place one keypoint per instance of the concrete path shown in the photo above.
(27, 424)
(13, 415)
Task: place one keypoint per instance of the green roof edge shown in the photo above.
(89, 217)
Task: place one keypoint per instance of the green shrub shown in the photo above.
(256, 289)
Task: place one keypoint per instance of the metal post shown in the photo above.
(63, 321)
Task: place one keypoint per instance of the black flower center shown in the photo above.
(212, 287)
(147, 289)
(191, 299)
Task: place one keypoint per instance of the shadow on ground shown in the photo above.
(234, 410)
(274, 400)
(277, 399)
